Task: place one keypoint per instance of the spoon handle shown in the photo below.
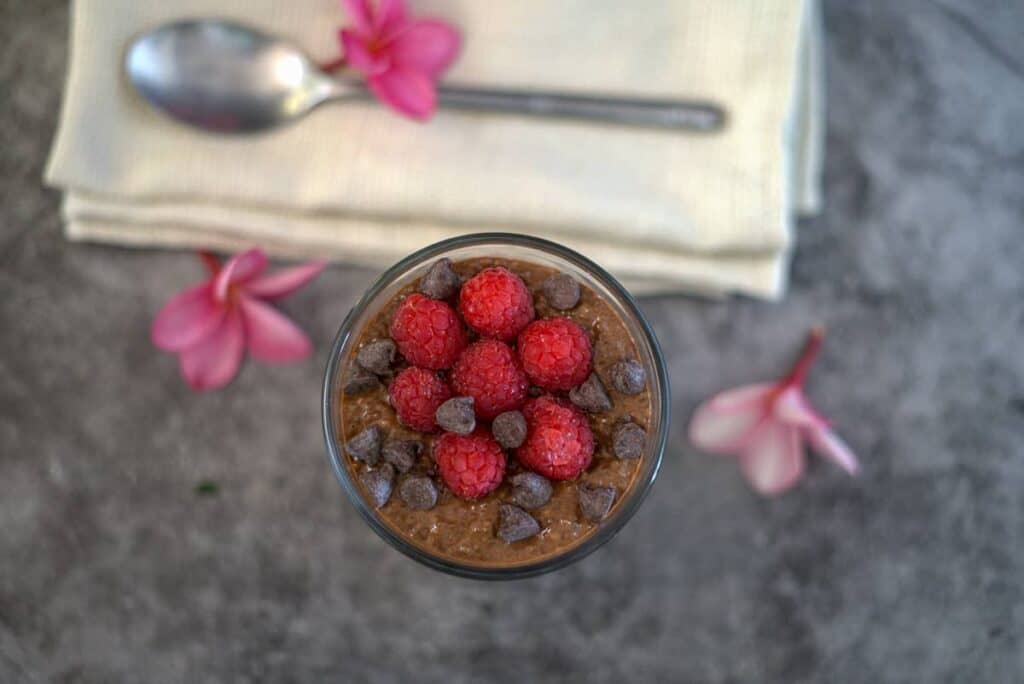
(657, 113)
(652, 113)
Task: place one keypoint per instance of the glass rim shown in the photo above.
(330, 404)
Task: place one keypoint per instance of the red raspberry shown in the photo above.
(415, 394)
(559, 444)
(555, 353)
(471, 465)
(489, 372)
(496, 303)
(428, 332)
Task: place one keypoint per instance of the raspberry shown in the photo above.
(428, 332)
(496, 303)
(415, 394)
(471, 465)
(559, 444)
(489, 372)
(555, 353)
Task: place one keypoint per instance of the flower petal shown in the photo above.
(360, 13)
(389, 17)
(773, 460)
(791, 406)
(213, 362)
(829, 445)
(186, 318)
(407, 91)
(359, 56)
(239, 268)
(723, 423)
(285, 281)
(272, 337)
(426, 45)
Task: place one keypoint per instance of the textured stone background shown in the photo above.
(112, 568)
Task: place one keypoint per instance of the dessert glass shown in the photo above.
(517, 247)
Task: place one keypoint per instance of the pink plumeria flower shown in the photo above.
(766, 425)
(402, 58)
(209, 326)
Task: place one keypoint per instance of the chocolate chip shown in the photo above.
(595, 502)
(515, 524)
(359, 380)
(365, 446)
(561, 290)
(378, 483)
(627, 376)
(401, 453)
(440, 282)
(591, 395)
(418, 492)
(509, 429)
(456, 415)
(377, 356)
(628, 440)
(530, 490)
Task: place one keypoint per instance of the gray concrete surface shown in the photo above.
(113, 568)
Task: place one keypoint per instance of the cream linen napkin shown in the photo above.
(665, 211)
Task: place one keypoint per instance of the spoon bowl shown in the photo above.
(225, 77)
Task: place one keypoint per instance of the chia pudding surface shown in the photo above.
(464, 531)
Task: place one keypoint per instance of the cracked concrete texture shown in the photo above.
(113, 568)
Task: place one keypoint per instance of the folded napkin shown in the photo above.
(663, 210)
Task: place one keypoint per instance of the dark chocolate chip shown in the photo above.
(440, 282)
(530, 490)
(418, 492)
(561, 291)
(591, 395)
(377, 356)
(378, 483)
(628, 440)
(515, 524)
(627, 376)
(359, 380)
(595, 502)
(365, 446)
(456, 415)
(401, 453)
(509, 429)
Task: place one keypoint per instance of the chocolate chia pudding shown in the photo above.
(519, 500)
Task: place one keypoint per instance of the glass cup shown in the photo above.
(524, 248)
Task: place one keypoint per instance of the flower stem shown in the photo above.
(333, 65)
(803, 364)
(210, 261)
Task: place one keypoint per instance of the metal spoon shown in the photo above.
(222, 76)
